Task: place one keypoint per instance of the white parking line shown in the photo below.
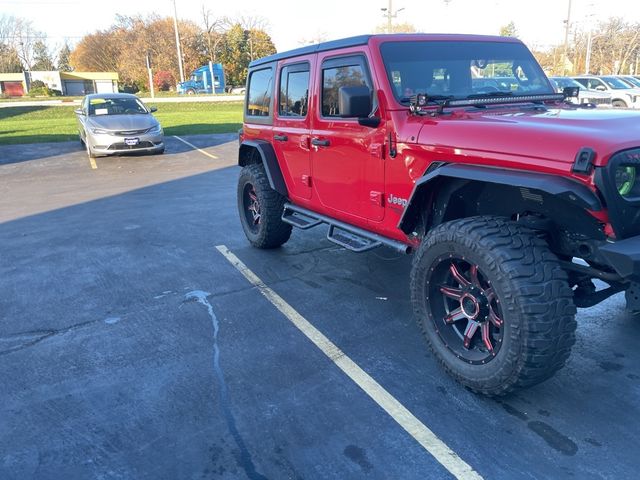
(196, 148)
(425, 437)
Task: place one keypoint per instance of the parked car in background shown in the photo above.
(630, 80)
(595, 97)
(238, 90)
(622, 95)
(118, 123)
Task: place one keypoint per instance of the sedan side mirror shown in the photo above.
(79, 111)
(153, 109)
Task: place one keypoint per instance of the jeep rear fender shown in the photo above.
(449, 178)
(254, 151)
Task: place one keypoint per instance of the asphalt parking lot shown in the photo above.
(131, 348)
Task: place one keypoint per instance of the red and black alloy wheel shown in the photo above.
(465, 310)
(251, 205)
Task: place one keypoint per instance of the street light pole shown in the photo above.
(390, 14)
(175, 28)
(587, 60)
(566, 39)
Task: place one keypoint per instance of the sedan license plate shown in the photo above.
(131, 141)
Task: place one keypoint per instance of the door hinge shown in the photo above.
(376, 150)
(377, 198)
(306, 180)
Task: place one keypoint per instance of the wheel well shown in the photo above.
(248, 155)
(453, 198)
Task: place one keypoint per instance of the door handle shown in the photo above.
(320, 143)
(280, 138)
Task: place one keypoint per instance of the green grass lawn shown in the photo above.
(58, 124)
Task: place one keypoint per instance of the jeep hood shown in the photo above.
(554, 135)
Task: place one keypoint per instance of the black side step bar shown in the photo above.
(348, 236)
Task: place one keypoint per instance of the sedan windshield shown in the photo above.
(615, 83)
(116, 106)
(461, 70)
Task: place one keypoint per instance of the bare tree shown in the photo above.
(255, 27)
(19, 35)
(318, 37)
(214, 29)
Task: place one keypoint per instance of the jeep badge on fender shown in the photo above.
(428, 145)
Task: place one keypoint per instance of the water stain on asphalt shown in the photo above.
(244, 458)
(554, 439)
(593, 442)
(610, 366)
(358, 456)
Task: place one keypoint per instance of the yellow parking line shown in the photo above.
(409, 422)
(93, 163)
(196, 148)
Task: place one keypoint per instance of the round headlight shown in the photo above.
(625, 180)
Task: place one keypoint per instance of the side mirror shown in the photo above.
(79, 111)
(601, 88)
(354, 101)
(571, 92)
(153, 109)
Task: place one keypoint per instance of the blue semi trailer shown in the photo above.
(200, 80)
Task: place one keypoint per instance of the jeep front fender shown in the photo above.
(269, 160)
(563, 188)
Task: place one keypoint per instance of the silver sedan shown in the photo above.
(115, 123)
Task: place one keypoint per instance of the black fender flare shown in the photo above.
(269, 160)
(566, 189)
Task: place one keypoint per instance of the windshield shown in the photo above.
(116, 106)
(634, 82)
(615, 83)
(460, 70)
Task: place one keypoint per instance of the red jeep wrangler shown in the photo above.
(457, 148)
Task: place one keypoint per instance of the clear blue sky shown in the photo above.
(290, 22)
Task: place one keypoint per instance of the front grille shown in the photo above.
(126, 133)
(124, 146)
(599, 101)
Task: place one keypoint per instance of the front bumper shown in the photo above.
(624, 257)
(105, 144)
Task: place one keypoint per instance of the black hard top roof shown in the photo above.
(320, 47)
(364, 39)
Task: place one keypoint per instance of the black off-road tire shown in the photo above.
(271, 231)
(535, 300)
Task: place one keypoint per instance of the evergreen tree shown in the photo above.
(63, 58)
(41, 57)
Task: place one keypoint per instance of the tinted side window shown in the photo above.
(351, 74)
(294, 91)
(259, 95)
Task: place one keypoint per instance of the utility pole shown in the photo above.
(390, 14)
(175, 28)
(565, 56)
(150, 72)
